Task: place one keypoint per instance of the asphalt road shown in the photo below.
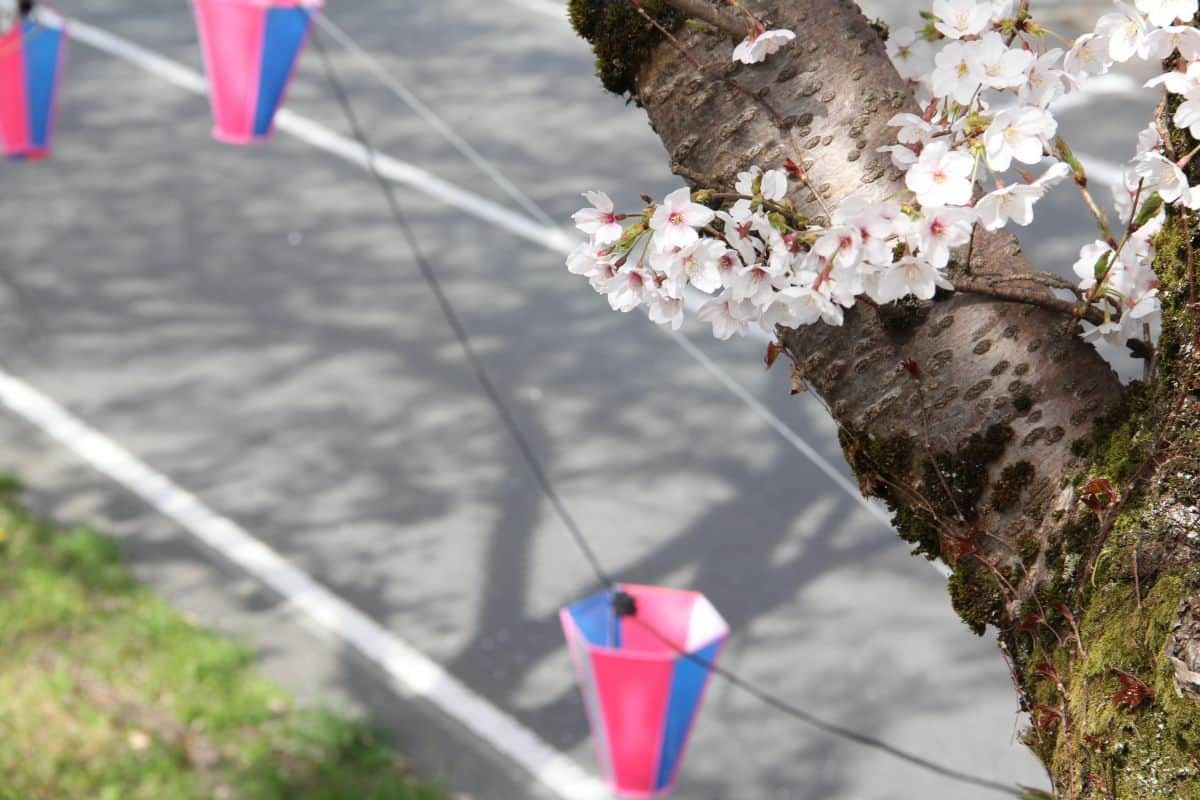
(249, 323)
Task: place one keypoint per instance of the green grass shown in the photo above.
(106, 693)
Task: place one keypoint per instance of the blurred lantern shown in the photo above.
(31, 57)
(250, 49)
(642, 676)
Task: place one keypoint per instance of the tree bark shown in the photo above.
(986, 443)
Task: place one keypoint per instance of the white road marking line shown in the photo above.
(411, 672)
(430, 118)
(313, 133)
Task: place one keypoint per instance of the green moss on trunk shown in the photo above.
(1147, 753)
(620, 37)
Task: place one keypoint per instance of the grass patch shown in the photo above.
(108, 693)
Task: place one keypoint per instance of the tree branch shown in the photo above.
(1032, 297)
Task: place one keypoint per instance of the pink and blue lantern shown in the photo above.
(641, 689)
(250, 51)
(31, 59)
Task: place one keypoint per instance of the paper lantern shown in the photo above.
(31, 58)
(642, 693)
(250, 50)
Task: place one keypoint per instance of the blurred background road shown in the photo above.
(249, 323)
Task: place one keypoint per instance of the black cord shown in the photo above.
(460, 331)
(830, 727)
(623, 605)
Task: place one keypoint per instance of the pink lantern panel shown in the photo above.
(642, 693)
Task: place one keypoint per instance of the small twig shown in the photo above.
(997, 574)
(1164, 135)
(1044, 278)
(1137, 581)
(1031, 297)
(1191, 260)
(1097, 292)
(706, 12)
(1152, 359)
(1097, 212)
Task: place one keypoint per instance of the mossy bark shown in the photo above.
(986, 449)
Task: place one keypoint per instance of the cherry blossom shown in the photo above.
(696, 264)
(1178, 82)
(628, 288)
(955, 74)
(585, 259)
(1188, 113)
(912, 55)
(1162, 13)
(746, 181)
(1013, 202)
(754, 284)
(772, 184)
(1046, 80)
(599, 220)
(957, 19)
(674, 222)
(1019, 133)
(757, 46)
(726, 316)
(1093, 259)
(912, 128)
(902, 157)
(1184, 38)
(875, 223)
(1161, 175)
(1148, 140)
(944, 229)
(996, 64)
(941, 176)
(908, 276)
(1089, 56)
(1125, 30)
(666, 310)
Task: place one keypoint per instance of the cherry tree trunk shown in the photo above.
(1064, 502)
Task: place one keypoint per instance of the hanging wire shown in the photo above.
(418, 107)
(452, 318)
(831, 728)
(568, 521)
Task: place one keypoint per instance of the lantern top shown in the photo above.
(667, 622)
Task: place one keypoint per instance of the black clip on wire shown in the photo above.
(624, 605)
